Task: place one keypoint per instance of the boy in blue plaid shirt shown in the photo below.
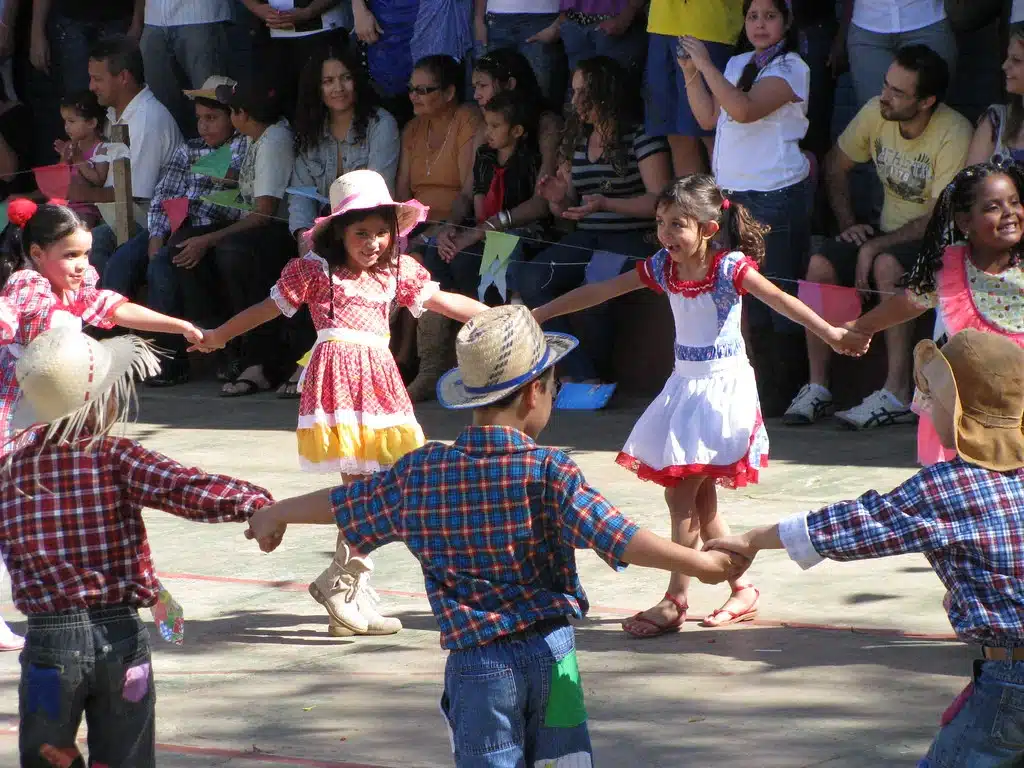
(494, 520)
(967, 517)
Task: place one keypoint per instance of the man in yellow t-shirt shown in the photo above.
(917, 145)
(717, 23)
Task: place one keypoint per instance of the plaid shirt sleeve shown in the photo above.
(587, 520)
(26, 294)
(173, 183)
(919, 516)
(367, 509)
(153, 480)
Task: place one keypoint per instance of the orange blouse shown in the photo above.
(442, 185)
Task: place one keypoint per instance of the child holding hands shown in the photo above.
(494, 520)
(965, 515)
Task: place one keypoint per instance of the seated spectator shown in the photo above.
(62, 32)
(181, 276)
(528, 26)
(338, 128)
(184, 39)
(917, 145)
(84, 121)
(288, 39)
(438, 143)
(717, 24)
(759, 107)
(610, 175)
(613, 28)
(1000, 132)
(504, 200)
(248, 255)
(506, 70)
(116, 77)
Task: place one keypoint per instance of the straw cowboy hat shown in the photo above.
(499, 351)
(979, 378)
(67, 377)
(363, 190)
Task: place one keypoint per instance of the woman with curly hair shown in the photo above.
(608, 181)
(338, 128)
(969, 270)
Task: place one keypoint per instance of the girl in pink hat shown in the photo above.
(355, 416)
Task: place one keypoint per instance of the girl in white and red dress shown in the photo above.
(705, 427)
(355, 416)
(46, 281)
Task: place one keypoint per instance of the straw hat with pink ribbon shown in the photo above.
(365, 190)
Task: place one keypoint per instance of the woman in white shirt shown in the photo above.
(758, 108)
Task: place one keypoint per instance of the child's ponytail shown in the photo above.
(698, 197)
(742, 231)
(32, 224)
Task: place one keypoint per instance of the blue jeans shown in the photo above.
(196, 51)
(989, 731)
(787, 212)
(511, 30)
(124, 270)
(94, 663)
(630, 49)
(561, 268)
(502, 702)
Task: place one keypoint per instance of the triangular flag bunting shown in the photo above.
(604, 265)
(835, 303)
(498, 249)
(229, 198)
(214, 164)
(177, 211)
(53, 180)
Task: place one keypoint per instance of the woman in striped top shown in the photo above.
(608, 180)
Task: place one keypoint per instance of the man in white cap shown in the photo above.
(494, 520)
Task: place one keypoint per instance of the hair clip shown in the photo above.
(725, 203)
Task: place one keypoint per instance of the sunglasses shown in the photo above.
(424, 90)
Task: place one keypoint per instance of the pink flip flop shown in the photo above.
(734, 618)
(660, 629)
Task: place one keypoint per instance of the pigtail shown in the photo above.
(743, 232)
(940, 233)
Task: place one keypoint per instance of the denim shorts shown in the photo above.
(988, 731)
(518, 701)
(94, 663)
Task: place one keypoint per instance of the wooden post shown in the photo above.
(124, 204)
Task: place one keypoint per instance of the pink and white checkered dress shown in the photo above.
(29, 306)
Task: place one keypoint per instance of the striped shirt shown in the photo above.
(600, 178)
(178, 13)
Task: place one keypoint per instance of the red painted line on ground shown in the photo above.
(293, 586)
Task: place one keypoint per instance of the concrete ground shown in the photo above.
(849, 665)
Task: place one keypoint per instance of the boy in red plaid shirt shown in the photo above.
(75, 544)
(494, 520)
(967, 517)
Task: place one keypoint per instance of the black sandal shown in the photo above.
(250, 387)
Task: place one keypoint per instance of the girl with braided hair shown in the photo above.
(968, 270)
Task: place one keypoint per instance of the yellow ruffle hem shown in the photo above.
(323, 444)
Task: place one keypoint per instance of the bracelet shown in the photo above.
(505, 219)
(487, 223)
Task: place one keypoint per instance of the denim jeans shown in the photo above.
(988, 732)
(511, 30)
(561, 268)
(69, 72)
(124, 270)
(196, 51)
(787, 212)
(629, 49)
(94, 663)
(510, 704)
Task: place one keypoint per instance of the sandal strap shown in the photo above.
(680, 606)
(737, 590)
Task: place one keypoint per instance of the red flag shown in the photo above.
(54, 180)
(177, 211)
(835, 304)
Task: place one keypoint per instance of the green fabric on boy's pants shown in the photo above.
(565, 699)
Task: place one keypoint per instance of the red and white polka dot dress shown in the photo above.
(355, 415)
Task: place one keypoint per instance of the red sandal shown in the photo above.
(660, 629)
(734, 618)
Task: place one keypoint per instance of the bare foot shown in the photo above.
(250, 380)
(741, 606)
(291, 387)
(666, 616)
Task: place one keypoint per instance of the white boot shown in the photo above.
(337, 588)
(376, 624)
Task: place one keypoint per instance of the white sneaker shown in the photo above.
(811, 403)
(879, 409)
(8, 640)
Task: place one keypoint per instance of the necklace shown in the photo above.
(431, 163)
